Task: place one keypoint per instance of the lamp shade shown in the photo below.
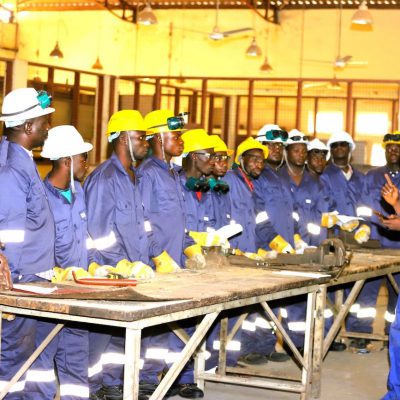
(97, 64)
(147, 16)
(362, 16)
(266, 66)
(253, 50)
(56, 52)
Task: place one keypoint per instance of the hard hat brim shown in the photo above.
(34, 113)
(86, 147)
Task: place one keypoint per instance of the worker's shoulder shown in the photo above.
(106, 170)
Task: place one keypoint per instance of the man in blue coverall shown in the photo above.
(118, 231)
(344, 184)
(372, 199)
(69, 350)
(164, 204)
(26, 222)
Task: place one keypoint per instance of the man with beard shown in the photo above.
(26, 225)
(118, 231)
(69, 350)
(344, 184)
(372, 199)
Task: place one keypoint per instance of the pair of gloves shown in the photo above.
(280, 245)
(361, 235)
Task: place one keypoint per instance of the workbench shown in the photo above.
(202, 294)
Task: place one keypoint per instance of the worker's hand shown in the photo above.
(100, 271)
(141, 271)
(165, 264)
(392, 222)
(349, 226)
(207, 239)
(389, 192)
(280, 245)
(266, 255)
(362, 234)
(329, 219)
(196, 259)
(65, 274)
(5, 274)
(299, 244)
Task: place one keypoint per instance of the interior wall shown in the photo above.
(128, 49)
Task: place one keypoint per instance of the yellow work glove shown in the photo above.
(266, 255)
(362, 234)
(329, 219)
(65, 274)
(135, 269)
(299, 244)
(100, 271)
(206, 238)
(280, 245)
(165, 264)
(195, 257)
(350, 225)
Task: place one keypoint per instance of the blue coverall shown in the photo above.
(27, 229)
(310, 201)
(69, 350)
(115, 216)
(256, 334)
(371, 197)
(164, 207)
(346, 195)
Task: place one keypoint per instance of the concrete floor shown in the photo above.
(346, 376)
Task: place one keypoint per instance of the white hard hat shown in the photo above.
(22, 104)
(274, 133)
(317, 144)
(341, 136)
(295, 136)
(64, 141)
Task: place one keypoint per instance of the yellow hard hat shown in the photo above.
(156, 122)
(219, 145)
(391, 138)
(249, 144)
(196, 139)
(126, 120)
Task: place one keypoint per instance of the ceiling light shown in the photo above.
(253, 50)
(147, 16)
(56, 52)
(266, 67)
(97, 64)
(362, 16)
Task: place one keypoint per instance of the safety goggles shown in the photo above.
(207, 156)
(277, 134)
(44, 99)
(339, 144)
(391, 137)
(299, 138)
(221, 158)
(319, 152)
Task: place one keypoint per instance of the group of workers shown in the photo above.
(139, 213)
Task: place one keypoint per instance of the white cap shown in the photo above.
(22, 104)
(294, 133)
(64, 141)
(341, 137)
(317, 144)
(261, 135)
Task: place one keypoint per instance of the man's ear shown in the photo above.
(67, 162)
(28, 127)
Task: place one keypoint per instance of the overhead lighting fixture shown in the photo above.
(56, 52)
(362, 16)
(253, 50)
(97, 64)
(147, 16)
(266, 67)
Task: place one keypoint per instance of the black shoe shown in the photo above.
(108, 393)
(275, 356)
(190, 391)
(147, 389)
(360, 344)
(252, 359)
(337, 346)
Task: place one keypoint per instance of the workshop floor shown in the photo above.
(346, 376)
